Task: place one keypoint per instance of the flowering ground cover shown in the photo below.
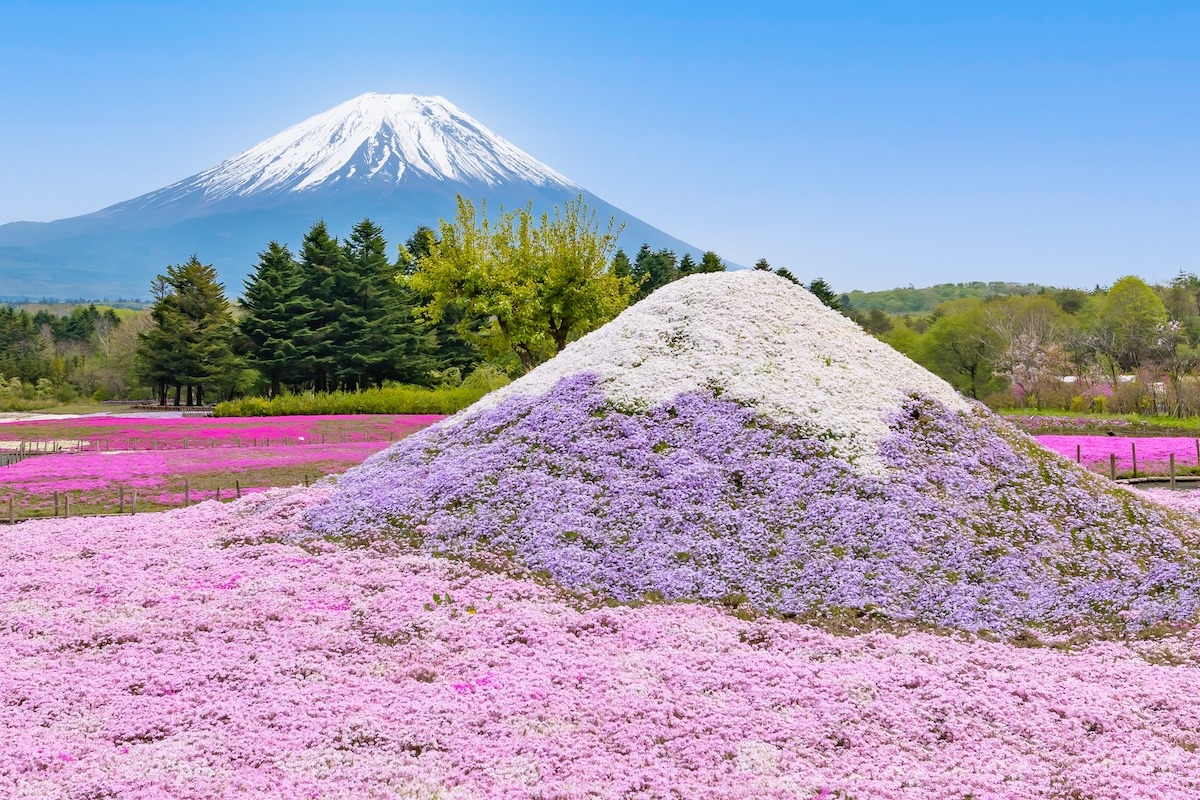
(1153, 452)
(633, 582)
(210, 457)
(1103, 424)
(199, 654)
(142, 433)
(1183, 500)
(95, 480)
(973, 527)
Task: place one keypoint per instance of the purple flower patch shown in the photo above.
(972, 526)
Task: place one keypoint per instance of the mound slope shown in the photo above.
(731, 439)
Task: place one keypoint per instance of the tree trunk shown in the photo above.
(178, 389)
(560, 333)
(526, 357)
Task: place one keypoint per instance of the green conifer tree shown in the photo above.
(825, 293)
(191, 343)
(711, 262)
(391, 345)
(268, 331)
(317, 306)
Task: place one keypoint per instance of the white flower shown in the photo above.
(757, 339)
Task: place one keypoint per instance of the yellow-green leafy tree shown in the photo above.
(537, 282)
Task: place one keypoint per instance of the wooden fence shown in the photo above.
(1151, 471)
(66, 504)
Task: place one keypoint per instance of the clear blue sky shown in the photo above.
(874, 144)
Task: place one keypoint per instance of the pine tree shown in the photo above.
(191, 344)
(316, 305)
(711, 262)
(418, 246)
(162, 352)
(786, 274)
(825, 293)
(687, 265)
(762, 264)
(652, 269)
(392, 347)
(622, 267)
(268, 330)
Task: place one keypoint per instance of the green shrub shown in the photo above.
(388, 400)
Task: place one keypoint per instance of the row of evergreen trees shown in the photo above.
(330, 317)
(652, 269)
(333, 319)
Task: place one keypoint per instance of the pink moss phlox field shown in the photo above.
(1181, 500)
(973, 527)
(1094, 451)
(142, 432)
(195, 654)
(150, 469)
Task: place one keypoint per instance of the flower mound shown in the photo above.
(972, 527)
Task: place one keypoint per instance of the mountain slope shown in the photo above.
(399, 159)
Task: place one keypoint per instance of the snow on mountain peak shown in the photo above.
(374, 137)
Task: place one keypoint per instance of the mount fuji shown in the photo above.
(399, 159)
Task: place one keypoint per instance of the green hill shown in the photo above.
(910, 300)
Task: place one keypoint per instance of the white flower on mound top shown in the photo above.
(754, 338)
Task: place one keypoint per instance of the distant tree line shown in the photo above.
(911, 300)
(57, 352)
(332, 317)
(1130, 347)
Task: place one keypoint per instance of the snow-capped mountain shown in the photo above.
(388, 138)
(399, 159)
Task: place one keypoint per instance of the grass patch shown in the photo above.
(51, 406)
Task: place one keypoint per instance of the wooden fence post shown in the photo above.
(218, 494)
(1078, 454)
(121, 507)
(1133, 452)
(134, 509)
(12, 514)
(238, 486)
(56, 502)
(186, 493)
(1172, 470)
(1112, 466)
